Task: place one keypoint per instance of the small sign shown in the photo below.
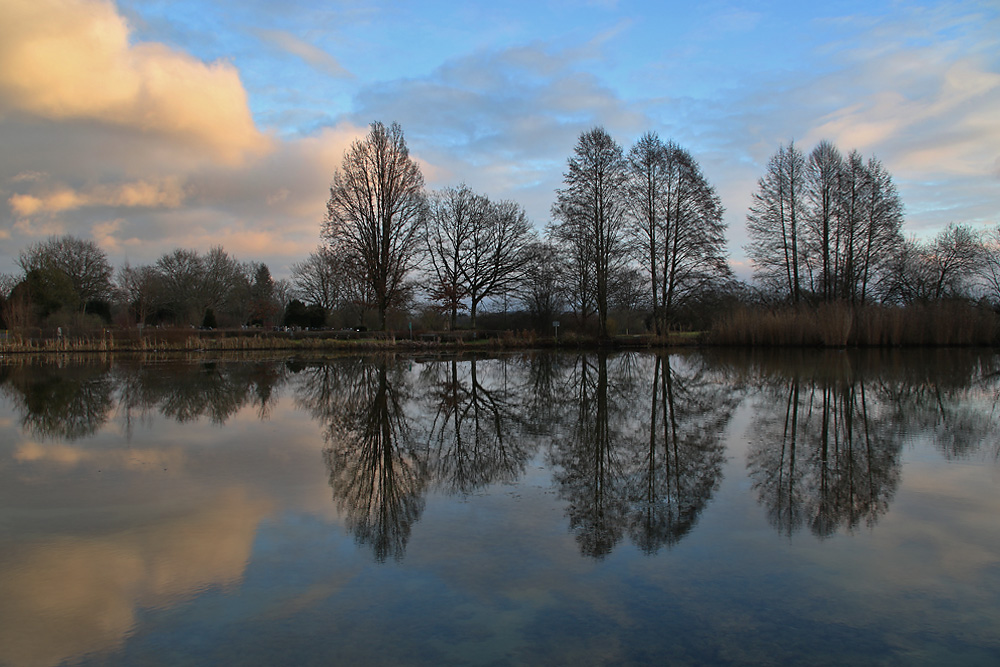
(556, 324)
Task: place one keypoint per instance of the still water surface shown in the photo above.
(792, 508)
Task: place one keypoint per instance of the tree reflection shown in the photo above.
(679, 467)
(951, 394)
(824, 453)
(60, 401)
(72, 400)
(473, 432)
(591, 460)
(643, 452)
(377, 473)
(188, 392)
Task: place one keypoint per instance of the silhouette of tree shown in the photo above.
(591, 220)
(376, 211)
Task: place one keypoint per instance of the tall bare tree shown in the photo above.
(591, 212)
(823, 171)
(677, 217)
(375, 212)
(827, 227)
(775, 223)
(882, 212)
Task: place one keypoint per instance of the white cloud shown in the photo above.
(71, 59)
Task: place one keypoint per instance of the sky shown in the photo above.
(150, 125)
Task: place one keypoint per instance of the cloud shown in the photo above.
(313, 55)
(71, 59)
(83, 595)
(166, 194)
(504, 121)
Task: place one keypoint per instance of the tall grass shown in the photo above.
(839, 325)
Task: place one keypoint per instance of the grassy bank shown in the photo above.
(189, 341)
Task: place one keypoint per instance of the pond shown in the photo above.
(718, 507)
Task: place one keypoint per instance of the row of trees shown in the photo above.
(649, 216)
(67, 280)
(826, 227)
(637, 232)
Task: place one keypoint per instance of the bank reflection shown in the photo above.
(60, 401)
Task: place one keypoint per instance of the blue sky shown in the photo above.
(149, 125)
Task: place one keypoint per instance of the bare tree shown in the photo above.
(495, 258)
(136, 289)
(952, 261)
(828, 226)
(822, 182)
(882, 210)
(320, 279)
(221, 282)
(182, 274)
(775, 223)
(990, 268)
(453, 214)
(7, 283)
(539, 290)
(375, 212)
(678, 222)
(591, 212)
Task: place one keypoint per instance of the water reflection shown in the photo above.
(635, 441)
(643, 451)
(66, 402)
(681, 465)
(829, 427)
(147, 514)
(70, 401)
(377, 470)
(477, 417)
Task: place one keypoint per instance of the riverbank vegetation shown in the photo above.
(635, 254)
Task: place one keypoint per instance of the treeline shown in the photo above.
(636, 243)
(67, 282)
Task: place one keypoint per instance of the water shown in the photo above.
(718, 508)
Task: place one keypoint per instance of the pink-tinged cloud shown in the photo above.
(167, 193)
(71, 59)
